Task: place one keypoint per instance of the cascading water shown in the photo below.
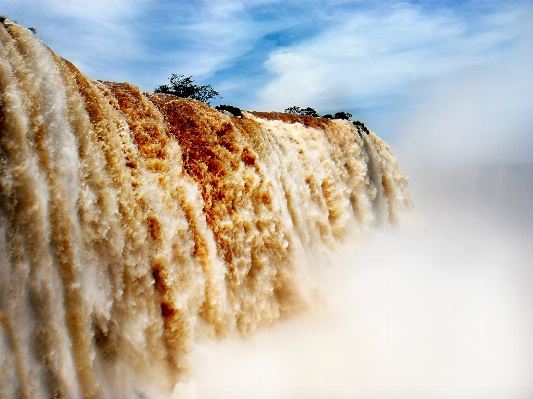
(131, 223)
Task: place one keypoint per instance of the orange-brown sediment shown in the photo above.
(132, 223)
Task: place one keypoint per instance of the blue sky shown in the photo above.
(395, 65)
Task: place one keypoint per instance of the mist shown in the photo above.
(440, 307)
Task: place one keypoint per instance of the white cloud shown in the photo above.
(94, 10)
(96, 36)
(146, 40)
(213, 36)
(366, 55)
(218, 33)
(481, 114)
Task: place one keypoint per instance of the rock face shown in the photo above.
(131, 223)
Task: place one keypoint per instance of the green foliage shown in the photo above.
(230, 108)
(342, 115)
(361, 126)
(293, 110)
(299, 111)
(311, 112)
(182, 86)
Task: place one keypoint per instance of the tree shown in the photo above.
(361, 125)
(342, 115)
(299, 111)
(230, 108)
(311, 112)
(182, 86)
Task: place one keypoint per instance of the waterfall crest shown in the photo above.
(131, 222)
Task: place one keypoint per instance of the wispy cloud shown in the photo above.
(388, 62)
(480, 114)
(206, 37)
(228, 38)
(98, 36)
(367, 57)
(145, 41)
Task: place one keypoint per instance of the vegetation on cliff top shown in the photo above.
(184, 86)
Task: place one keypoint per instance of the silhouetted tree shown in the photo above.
(361, 126)
(230, 108)
(293, 110)
(182, 86)
(311, 112)
(342, 115)
(299, 111)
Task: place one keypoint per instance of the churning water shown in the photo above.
(152, 247)
(133, 225)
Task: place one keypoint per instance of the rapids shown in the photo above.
(132, 222)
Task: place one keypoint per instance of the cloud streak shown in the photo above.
(415, 71)
(365, 57)
(480, 114)
(98, 36)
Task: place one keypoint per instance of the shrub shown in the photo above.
(299, 111)
(342, 115)
(311, 112)
(230, 108)
(182, 86)
(361, 126)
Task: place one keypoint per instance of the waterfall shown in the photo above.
(132, 222)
